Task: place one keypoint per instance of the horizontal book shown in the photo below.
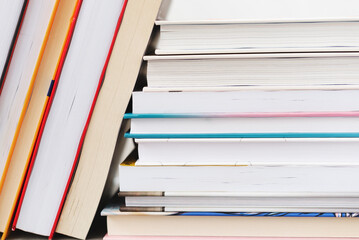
(281, 177)
(302, 203)
(231, 194)
(243, 122)
(299, 69)
(124, 237)
(232, 201)
(229, 209)
(238, 36)
(246, 101)
(248, 151)
(225, 225)
(245, 135)
(257, 10)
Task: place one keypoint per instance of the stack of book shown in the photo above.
(61, 106)
(250, 110)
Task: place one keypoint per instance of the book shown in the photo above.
(70, 106)
(228, 70)
(229, 209)
(237, 101)
(210, 200)
(224, 225)
(267, 35)
(102, 133)
(257, 10)
(247, 150)
(255, 26)
(272, 177)
(137, 237)
(79, 148)
(30, 126)
(290, 122)
(12, 15)
(21, 76)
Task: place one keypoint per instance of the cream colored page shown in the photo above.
(234, 226)
(85, 193)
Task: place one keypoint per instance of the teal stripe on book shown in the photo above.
(247, 135)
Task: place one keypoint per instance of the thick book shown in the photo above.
(100, 141)
(30, 126)
(66, 119)
(270, 177)
(228, 70)
(255, 26)
(191, 149)
(21, 76)
(241, 224)
(237, 101)
(257, 10)
(246, 36)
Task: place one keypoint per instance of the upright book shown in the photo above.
(30, 126)
(66, 119)
(21, 76)
(11, 16)
(100, 140)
